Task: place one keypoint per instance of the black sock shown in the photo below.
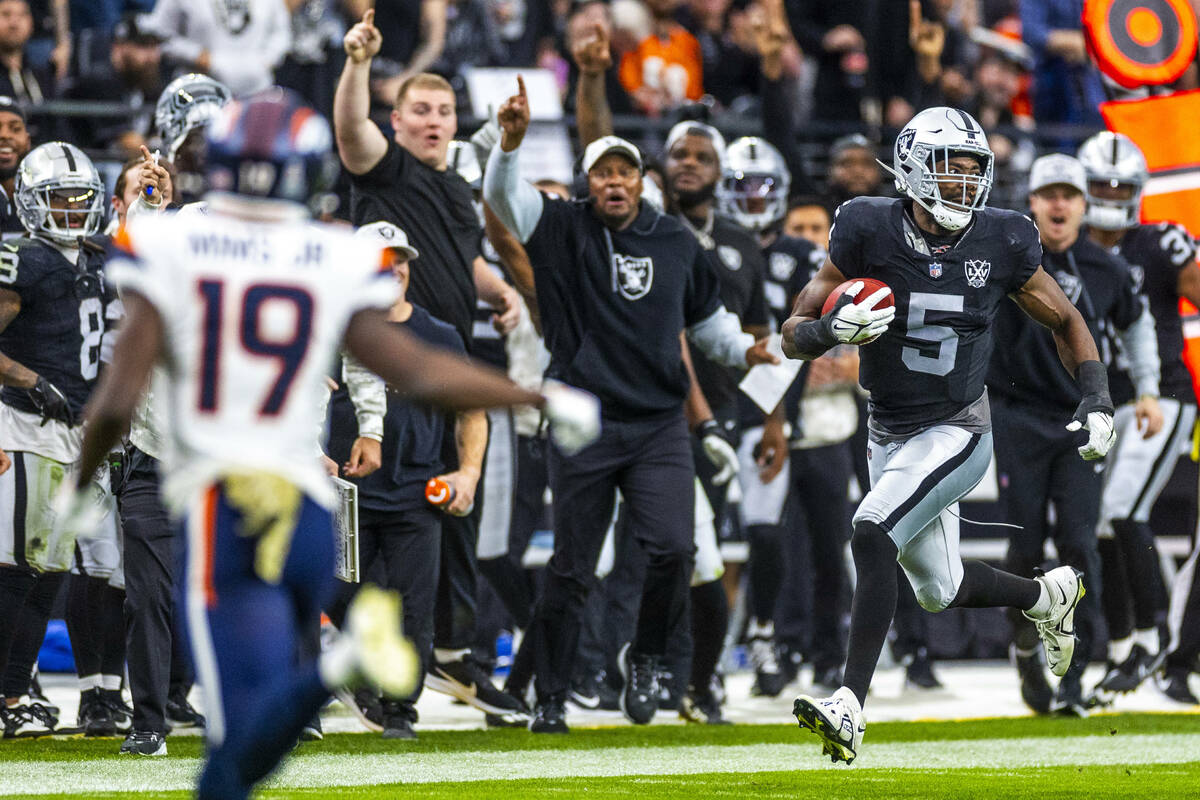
(987, 587)
(710, 618)
(873, 607)
(767, 565)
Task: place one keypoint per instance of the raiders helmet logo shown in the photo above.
(904, 143)
(1070, 284)
(632, 276)
(730, 257)
(977, 273)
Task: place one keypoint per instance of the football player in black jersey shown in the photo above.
(53, 309)
(949, 262)
(1163, 258)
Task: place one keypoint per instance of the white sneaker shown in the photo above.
(837, 720)
(1057, 629)
(384, 657)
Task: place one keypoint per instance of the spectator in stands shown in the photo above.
(726, 46)
(667, 68)
(830, 31)
(1066, 86)
(808, 218)
(414, 35)
(239, 44)
(50, 45)
(131, 73)
(18, 79)
(524, 28)
(472, 40)
(581, 25)
(315, 58)
(780, 63)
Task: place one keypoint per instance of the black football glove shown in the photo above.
(50, 402)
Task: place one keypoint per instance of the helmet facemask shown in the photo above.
(754, 186)
(1112, 214)
(951, 197)
(1113, 161)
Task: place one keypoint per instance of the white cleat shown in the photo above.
(837, 721)
(1057, 629)
(385, 658)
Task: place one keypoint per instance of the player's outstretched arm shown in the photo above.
(120, 390)
(428, 374)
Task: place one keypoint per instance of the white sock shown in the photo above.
(336, 665)
(1041, 609)
(1147, 638)
(443, 656)
(1118, 649)
(89, 682)
(111, 683)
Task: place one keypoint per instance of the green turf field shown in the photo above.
(1126, 755)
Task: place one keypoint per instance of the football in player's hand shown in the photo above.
(870, 287)
(865, 312)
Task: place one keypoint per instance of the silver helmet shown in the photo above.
(189, 102)
(59, 193)
(922, 150)
(754, 184)
(1114, 159)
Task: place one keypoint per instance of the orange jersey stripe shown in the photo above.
(209, 523)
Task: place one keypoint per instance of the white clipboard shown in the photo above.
(345, 525)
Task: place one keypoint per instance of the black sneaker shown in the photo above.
(26, 720)
(312, 731)
(1129, 674)
(181, 713)
(550, 717)
(918, 671)
(585, 692)
(36, 693)
(1035, 690)
(668, 698)
(608, 692)
(364, 704)
(639, 699)
(95, 715)
(144, 743)
(1068, 699)
(398, 720)
(1175, 686)
(122, 714)
(517, 719)
(700, 706)
(466, 681)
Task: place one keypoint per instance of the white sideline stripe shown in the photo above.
(1166, 184)
(325, 770)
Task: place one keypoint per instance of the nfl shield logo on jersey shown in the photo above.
(632, 276)
(935, 269)
(977, 273)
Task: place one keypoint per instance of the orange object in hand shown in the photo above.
(439, 493)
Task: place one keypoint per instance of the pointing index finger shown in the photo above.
(521, 87)
(369, 17)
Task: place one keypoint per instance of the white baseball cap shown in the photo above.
(1057, 168)
(694, 128)
(610, 144)
(387, 235)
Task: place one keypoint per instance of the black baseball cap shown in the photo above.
(11, 106)
(129, 28)
(851, 141)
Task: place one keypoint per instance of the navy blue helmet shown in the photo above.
(270, 145)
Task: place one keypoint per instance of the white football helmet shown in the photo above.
(54, 174)
(754, 184)
(187, 103)
(1114, 159)
(919, 160)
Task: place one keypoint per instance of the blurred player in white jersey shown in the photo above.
(246, 307)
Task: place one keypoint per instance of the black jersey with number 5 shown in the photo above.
(933, 360)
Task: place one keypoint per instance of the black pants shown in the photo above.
(454, 615)
(1038, 463)
(400, 551)
(651, 464)
(820, 516)
(154, 644)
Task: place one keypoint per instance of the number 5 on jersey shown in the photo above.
(255, 338)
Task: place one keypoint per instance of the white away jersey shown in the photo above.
(253, 314)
